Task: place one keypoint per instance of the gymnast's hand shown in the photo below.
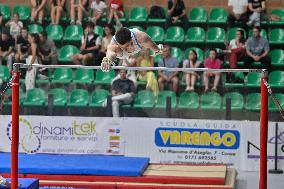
(106, 65)
(160, 51)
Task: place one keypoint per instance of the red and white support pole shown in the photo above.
(263, 132)
(15, 126)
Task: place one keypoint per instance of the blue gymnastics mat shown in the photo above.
(25, 183)
(76, 164)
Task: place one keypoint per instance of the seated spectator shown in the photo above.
(78, 6)
(56, 8)
(176, 11)
(15, 26)
(47, 50)
(123, 91)
(168, 76)
(7, 44)
(90, 47)
(109, 33)
(1, 19)
(23, 46)
(98, 7)
(257, 50)
(236, 49)
(37, 10)
(145, 60)
(257, 12)
(33, 58)
(190, 77)
(237, 12)
(115, 11)
(213, 63)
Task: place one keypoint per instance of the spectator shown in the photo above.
(213, 63)
(257, 12)
(98, 7)
(236, 49)
(23, 46)
(145, 60)
(257, 49)
(109, 33)
(168, 76)
(190, 77)
(7, 44)
(15, 26)
(176, 11)
(80, 6)
(47, 49)
(56, 6)
(1, 19)
(37, 11)
(33, 58)
(237, 12)
(123, 91)
(115, 11)
(90, 47)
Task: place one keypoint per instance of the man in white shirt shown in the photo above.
(98, 8)
(237, 12)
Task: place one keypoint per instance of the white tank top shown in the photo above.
(137, 46)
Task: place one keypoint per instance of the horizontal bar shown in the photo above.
(139, 68)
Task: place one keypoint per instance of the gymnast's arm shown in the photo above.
(147, 42)
(111, 53)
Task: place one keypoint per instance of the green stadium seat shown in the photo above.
(8, 97)
(162, 99)
(35, 97)
(177, 53)
(104, 77)
(66, 53)
(4, 73)
(280, 13)
(262, 33)
(59, 97)
(215, 35)
(200, 54)
(276, 36)
(62, 76)
(144, 99)
(276, 79)
(84, 76)
(174, 34)
(195, 35)
(271, 105)
(54, 32)
(188, 100)
(158, 21)
(98, 97)
(138, 27)
(78, 98)
(124, 19)
(237, 100)
(277, 57)
(35, 28)
(197, 15)
(156, 33)
(73, 33)
(253, 102)
(238, 81)
(218, 16)
(5, 11)
(138, 15)
(158, 58)
(210, 101)
(24, 11)
(253, 80)
(231, 34)
(99, 30)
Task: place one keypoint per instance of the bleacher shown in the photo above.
(87, 88)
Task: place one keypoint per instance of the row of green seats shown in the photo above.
(217, 15)
(145, 99)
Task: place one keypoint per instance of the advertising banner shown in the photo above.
(63, 135)
(184, 141)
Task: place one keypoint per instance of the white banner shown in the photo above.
(63, 135)
(184, 141)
